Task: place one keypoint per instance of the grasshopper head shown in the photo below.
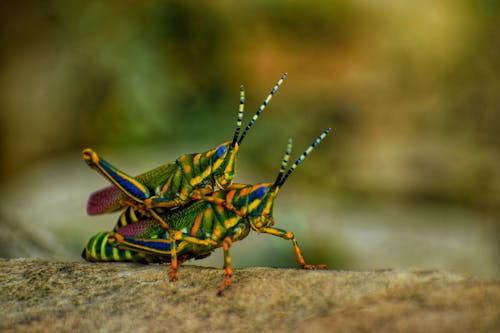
(260, 204)
(224, 164)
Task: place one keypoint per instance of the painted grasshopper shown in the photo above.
(171, 185)
(209, 222)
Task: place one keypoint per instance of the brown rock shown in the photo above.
(47, 296)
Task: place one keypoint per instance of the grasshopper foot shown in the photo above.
(225, 284)
(173, 275)
(223, 287)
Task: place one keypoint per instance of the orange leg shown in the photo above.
(288, 235)
(162, 222)
(173, 261)
(226, 244)
(198, 195)
(145, 209)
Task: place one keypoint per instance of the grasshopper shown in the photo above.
(171, 185)
(208, 222)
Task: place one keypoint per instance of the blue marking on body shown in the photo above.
(220, 152)
(154, 245)
(128, 186)
(258, 193)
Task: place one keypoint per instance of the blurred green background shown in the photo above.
(409, 178)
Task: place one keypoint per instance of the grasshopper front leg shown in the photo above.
(288, 235)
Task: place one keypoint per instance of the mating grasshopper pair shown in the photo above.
(186, 218)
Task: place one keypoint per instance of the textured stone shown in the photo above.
(49, 296)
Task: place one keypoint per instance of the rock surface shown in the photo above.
(46, 296)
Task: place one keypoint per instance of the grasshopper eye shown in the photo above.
(220, 152)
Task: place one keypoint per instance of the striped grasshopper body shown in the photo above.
(99, 248)
(171, 185)
(209, 222)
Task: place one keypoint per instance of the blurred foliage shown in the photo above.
(410, 90)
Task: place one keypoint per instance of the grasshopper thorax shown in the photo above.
(254, 202)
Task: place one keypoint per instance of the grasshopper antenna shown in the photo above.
(262, 107)
(286, 157)
(302, 157)
(240, 115)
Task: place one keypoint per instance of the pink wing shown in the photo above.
(135, 229)
(106, 200)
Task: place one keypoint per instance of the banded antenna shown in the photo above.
(302, 157)
(240, 115)
(262, 107)
(286, 157)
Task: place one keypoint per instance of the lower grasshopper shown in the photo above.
(98, 248)
(209, 222)
(171, 185)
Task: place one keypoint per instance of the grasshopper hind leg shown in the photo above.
(130, 186)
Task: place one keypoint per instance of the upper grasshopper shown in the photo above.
(172, 184)
(211, 221)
